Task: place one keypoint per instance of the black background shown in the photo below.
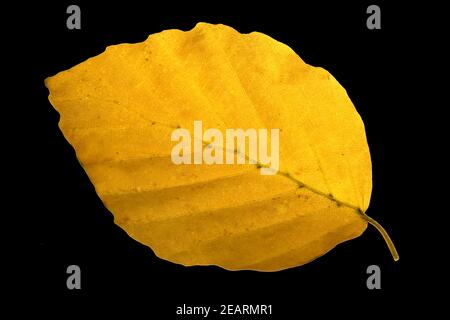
(73, 227)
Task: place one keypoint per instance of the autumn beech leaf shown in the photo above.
(155, 126)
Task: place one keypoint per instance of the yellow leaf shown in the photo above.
(120, 108)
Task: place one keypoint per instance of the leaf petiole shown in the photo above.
(384, 233)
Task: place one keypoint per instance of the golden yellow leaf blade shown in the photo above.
(118, 110)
